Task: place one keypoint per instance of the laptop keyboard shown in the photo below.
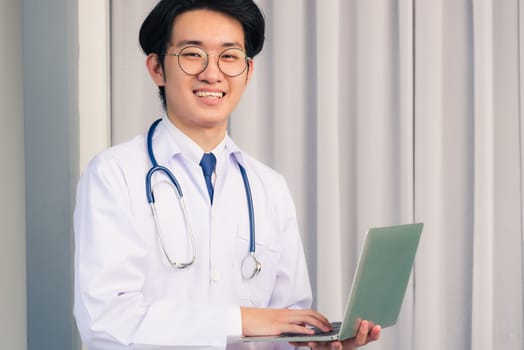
(334, 325)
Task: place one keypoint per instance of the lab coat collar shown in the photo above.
(235, 152)
(166, 149)
(164, 145)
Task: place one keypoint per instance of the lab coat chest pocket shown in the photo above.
(256, 292)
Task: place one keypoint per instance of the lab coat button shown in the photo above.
(215, 275)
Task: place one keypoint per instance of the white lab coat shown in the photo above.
(126, 294)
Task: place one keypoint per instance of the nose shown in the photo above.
(212, 73)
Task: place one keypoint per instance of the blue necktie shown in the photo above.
(208, 163)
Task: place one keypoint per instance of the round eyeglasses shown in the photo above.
(193, 60)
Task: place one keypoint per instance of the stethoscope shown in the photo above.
(250, 266)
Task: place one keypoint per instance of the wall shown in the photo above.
(12, 206)
(50, 64)
(94, 78)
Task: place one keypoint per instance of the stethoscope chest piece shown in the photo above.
(250, 266)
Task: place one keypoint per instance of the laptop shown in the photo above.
(378, 288)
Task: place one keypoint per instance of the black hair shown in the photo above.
(155, 32)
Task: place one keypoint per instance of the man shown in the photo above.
(189, 275)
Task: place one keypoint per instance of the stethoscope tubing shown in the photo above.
(151, 200)
(250, 209)
(155, 167)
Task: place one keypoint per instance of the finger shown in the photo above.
(362, 335)
(336, 345)
(308, 317)
(333, 345)
(339, 345)
(298, 329)
(374, 334)
(312, 345)
(297, 344)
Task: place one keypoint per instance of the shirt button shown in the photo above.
(215, 275)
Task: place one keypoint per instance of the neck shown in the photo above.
(207, 137)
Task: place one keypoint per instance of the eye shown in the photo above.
(229, 57)
(232, 55)
(192, 53)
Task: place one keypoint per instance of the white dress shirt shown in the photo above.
(127, 296)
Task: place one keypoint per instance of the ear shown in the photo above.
(154, 67)
(250, 69)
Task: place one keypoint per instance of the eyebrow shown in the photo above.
(200, 43)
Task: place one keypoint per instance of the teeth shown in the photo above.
(213, 94)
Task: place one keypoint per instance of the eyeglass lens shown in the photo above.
(193, 60)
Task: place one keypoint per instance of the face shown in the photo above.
(200, 105)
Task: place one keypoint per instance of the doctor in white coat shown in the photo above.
(154, 272)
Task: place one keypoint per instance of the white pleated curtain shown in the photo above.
(384, 112)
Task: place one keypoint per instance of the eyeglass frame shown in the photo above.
(177, 55)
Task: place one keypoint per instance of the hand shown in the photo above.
(257, 321)
(366, 334)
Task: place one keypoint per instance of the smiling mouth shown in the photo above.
(209, 94)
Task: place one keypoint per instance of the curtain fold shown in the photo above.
(385, 112)
(483, 258)
(443, 171)
(507, 172)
